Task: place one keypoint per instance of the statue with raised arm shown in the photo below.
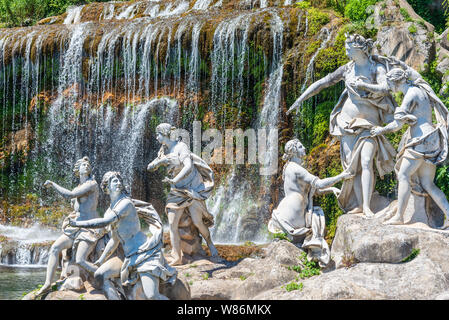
(191, 184)
(82, 241)
(295, 214)
(144, 265)
(423, 146)
(365, 103)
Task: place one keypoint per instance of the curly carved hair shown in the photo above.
(107, 177)
(76, 169)
(292, 148)
(358, 41)
(397, 75)
(165, 129)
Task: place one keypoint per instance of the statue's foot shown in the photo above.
(213, 250)
(45, 288)
(396, 220)
(368, 213)
(314, 243)
(356, 210)
(175, 260)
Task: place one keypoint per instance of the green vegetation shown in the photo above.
(294, 286)
(412, 29)
(412, 255)
(356, 10)
(15, 13)
(306, 268)
(280, 236)
(427, 10)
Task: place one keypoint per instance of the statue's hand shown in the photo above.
(375, 131)
(295, 106)
(168, 180)
(48, 184)
(73, 223)
(336, 191)
(348, 174)
(151, 166)
(99, 262)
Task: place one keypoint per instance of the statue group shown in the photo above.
(132, 265)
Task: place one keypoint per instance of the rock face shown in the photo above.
(373, 255)
(372, 261)
(404, 34)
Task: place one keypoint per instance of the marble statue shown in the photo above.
(144, 265)
(423, 145)
(191, 184)
(82, 241)
(295, 214)
(365, 103)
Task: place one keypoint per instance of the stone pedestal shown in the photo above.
(190, 237)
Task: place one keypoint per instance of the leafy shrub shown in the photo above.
(356, 10)
(27, 12)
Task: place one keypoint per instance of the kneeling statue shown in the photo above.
(295, 214)
(144, 264)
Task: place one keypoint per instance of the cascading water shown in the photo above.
(26, 246)
(97, 84)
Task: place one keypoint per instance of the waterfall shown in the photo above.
(73, 14)
(97, 84)
(309, 70)
(26, 246)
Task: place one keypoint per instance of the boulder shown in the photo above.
(444, 40)
(409, 41)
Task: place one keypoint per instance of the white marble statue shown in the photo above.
(365, 103)
(82, 241)
(295, 214)
(144, 265)
(191, 184)
(423, 145)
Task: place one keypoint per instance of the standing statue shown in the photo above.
(82, 241)
(363, 105)
(296, 214)
(423, 145)
(191, 184)
(144, 264)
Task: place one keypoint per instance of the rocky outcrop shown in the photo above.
(404, 34)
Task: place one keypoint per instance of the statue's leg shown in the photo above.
(173, 220)
(83, 251)
(107, 271)
(407, 169)
(367, 178)
(63, 242)
(426, 175)
(197, 218)
(150, 285)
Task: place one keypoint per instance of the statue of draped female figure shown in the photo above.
(357, 111)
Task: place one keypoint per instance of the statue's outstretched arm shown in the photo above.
(111, 215)
(75, 193)
(94, 223)
(321, 184)
(328, 182)
(319, 85)
(401, 117)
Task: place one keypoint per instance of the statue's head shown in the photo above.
(396, 77)
(292, 149)
(112, 181)
(163, 132)
(82, 167)
(357, 44)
